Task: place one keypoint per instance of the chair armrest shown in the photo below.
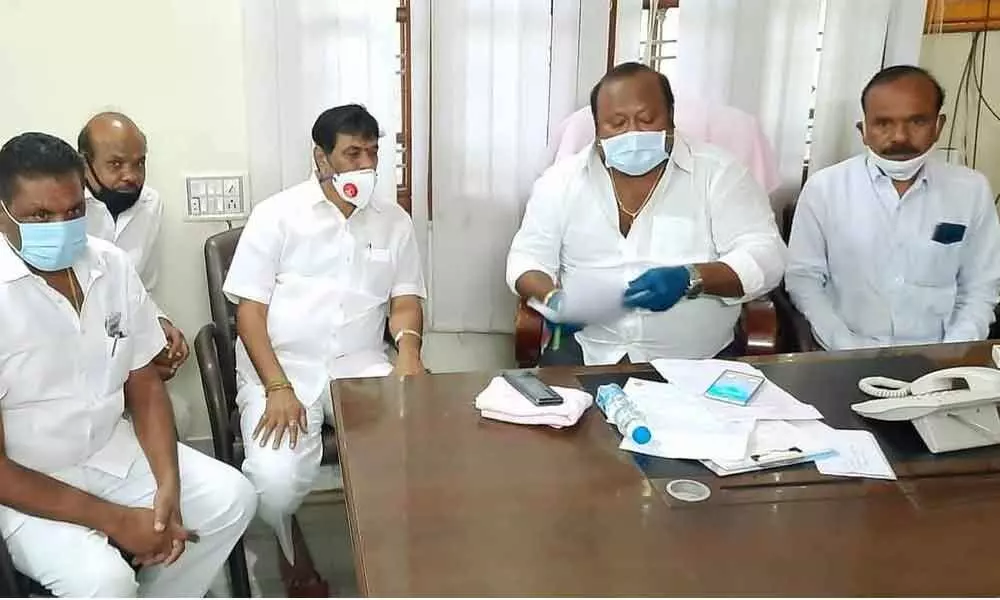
(528, 332)
(759, 327)
(800, 337)
(207, 354)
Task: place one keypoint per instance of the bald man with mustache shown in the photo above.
(123, 210)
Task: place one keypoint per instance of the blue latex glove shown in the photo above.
(559, 330)
(658, 289)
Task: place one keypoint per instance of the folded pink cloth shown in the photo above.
(501, 402)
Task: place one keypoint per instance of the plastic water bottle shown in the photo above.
(616, 405)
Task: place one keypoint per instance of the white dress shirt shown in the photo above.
(706, 208)
(62, 374)
(327, 281)
(870, 268)
(137, 231)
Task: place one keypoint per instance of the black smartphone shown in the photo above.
(532, 388)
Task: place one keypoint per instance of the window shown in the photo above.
(664, 35)
(663, 56)
(812, 97)
(403, 137)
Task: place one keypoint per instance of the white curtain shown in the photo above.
(303, 57)
(489, 113)
(860, 37)
(760, 57)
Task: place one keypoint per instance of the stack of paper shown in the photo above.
(773, 430)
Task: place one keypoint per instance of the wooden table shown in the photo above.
(443, 503)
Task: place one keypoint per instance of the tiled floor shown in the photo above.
(324, 522)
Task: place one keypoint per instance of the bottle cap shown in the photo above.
(688, 490)
(641, 435)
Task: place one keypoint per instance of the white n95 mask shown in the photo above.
(356, 187)
(899, 170)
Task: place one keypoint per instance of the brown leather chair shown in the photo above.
(757, 332)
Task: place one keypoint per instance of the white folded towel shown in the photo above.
(501, 402)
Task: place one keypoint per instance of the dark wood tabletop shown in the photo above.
(444, 503)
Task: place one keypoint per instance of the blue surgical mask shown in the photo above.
(51, 246)
(635, 153)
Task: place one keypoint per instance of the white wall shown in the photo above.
(945, 55)
(175, 67)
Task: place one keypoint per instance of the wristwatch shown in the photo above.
(696, 284)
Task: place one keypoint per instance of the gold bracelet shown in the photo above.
(277, 387)
(277, 384)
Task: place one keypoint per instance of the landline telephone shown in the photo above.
(952, 409)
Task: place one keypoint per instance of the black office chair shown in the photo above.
(12, 583)
(212, 378)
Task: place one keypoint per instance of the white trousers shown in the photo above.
(217, 502)
(284, 477)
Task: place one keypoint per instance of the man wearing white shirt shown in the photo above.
(88, 455)
(894, 246)
(124, 211)
(317, 270)
(684, 228)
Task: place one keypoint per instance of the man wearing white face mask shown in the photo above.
(682, 227)
(894, 246)
(317, 270)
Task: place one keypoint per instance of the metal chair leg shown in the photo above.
(239, 575)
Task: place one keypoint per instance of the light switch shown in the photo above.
(216, 197)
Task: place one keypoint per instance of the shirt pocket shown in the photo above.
(118, 358)
(378, 269)
(674, 240)
(934, 264)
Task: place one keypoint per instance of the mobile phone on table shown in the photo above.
(734, 387)
(532, 388)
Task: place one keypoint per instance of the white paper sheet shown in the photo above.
(770, 403)
(591, 297)
(858, 455)
(682, 426)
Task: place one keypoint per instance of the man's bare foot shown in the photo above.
(301, 580)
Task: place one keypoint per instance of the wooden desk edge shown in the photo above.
(352, 517)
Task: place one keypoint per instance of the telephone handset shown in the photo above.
(952, 409)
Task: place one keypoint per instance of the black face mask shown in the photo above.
(116, 201)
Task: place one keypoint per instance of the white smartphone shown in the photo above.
(734, 387)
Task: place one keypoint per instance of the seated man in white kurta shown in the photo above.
(684, 226)
(316, 271)
(88, 454)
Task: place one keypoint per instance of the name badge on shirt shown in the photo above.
(948, 233)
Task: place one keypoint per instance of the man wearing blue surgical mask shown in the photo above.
(680, 227)
(89, 462)
(895, 246)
